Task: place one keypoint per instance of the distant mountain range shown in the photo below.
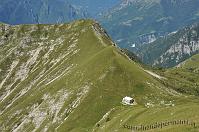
(95, 7)
(173, 49)
(39, 11)
(129, 22)
(137, 22)
(51, 11)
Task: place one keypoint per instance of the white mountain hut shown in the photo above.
(128, 100)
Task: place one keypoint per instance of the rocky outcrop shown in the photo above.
(186, 46)
(172, 49)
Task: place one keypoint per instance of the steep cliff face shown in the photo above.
(95, 7)
(147, 38)
(179, 52)
(174, 48)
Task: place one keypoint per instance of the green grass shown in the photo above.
(184, 78)
(72, 86)
(138, 115)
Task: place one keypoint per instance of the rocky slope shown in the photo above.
(172, 49)
(71, 77)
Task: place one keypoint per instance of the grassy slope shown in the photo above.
(122, 79)
(54, 96)
(184, 78)
(136, 116)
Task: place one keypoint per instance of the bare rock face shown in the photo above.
(186, 46)
(172, 49)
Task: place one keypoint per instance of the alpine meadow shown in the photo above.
(99, 66)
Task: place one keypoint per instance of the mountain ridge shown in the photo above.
(54, 77)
